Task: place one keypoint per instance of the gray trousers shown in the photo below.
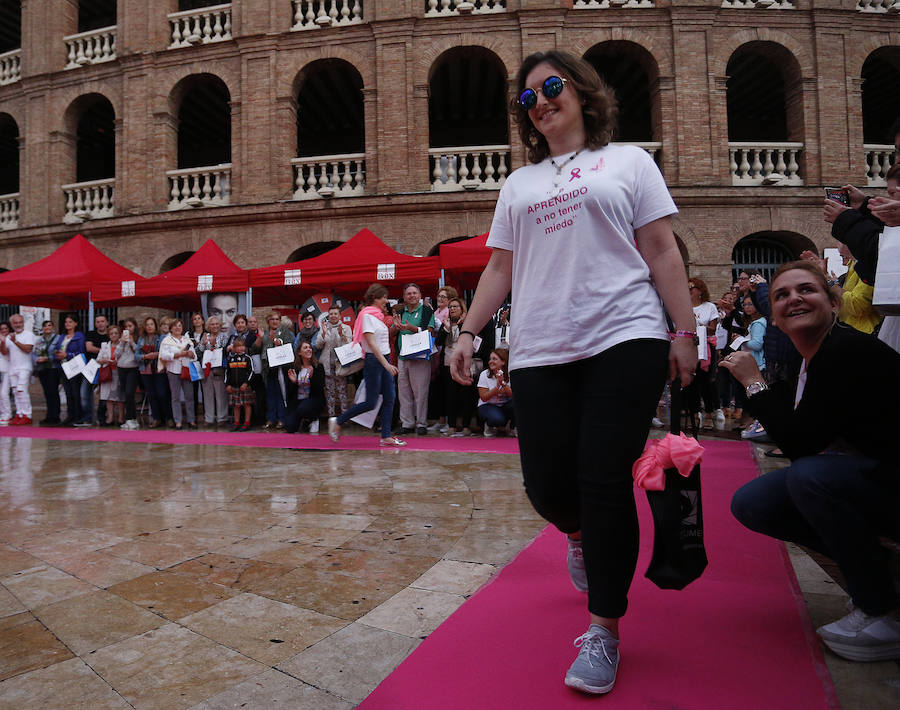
(413, 382)
(215, 398)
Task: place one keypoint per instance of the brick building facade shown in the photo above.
(274, 126)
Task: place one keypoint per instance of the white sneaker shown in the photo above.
(334, 432)
(719, 419)
(860, 637)
(4, 422)
(314, 427)
(658, 423)
(436, 427)
(489, 431)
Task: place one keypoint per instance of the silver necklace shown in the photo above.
(559, 167)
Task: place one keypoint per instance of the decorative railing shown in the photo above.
(92, 47)
(9, 211)
(879, 159)
(761, 4)
(311, 14)
(329, 176)
(479, 167)
(601, 4)
(877, 6)
(10, 66)
(445, 8)
(89, 200)
(654, 148)
(200, 187)
(200, 26)
(765, 163)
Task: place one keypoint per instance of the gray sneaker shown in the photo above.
(594, 670)
(860, 637)
(575, 562)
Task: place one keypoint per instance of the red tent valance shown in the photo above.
(348, 269)
(463, 261)
(64, 279)
(207, 270)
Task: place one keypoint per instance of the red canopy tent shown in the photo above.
(207, 270)
(348, 269)
(463, 261)
(63, 280)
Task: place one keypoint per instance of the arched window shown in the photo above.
(201, 103)
(766, 251)
(310, 250)
(331, 131)
(765, 115)
(95, 140)
(880, 108)
(9, 155)
(174, 261)
(10, 25)
(95, 14)
(468, 122)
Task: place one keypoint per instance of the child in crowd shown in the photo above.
(109, 389)
(237, 383)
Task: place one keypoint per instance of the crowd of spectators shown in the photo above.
(176, 373)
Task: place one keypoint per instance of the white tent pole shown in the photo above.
(441, 282)
(249, 301)
(90, 318)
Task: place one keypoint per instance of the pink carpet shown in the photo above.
(273, 440)
(738, 638)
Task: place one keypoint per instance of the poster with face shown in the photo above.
(224, 305)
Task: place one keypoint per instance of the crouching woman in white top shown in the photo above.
(495, 406)
(373, 335)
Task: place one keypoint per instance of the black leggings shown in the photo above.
(581, 427)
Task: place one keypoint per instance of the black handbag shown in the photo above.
(679, 555)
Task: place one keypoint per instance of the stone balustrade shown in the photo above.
(603, 4)
(313, 14)
(9, 211)
(10, 66)
(209, 186)
(329, 176)
(761, 4)
(879, 159)
(479, 167)
(89, 200)
(880, 6)
(92, 47)
(765, 163)
(200, 26)
(445, 8)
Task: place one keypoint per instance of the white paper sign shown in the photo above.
(886, 297)
(257, 363)
(476, 343)
(280, 355)
(89, 371)
(72, 368)
(204, 282)
(127, 289)
(212, 357)
(366, 419)
(738, 341)
(702, 344)
(292, 277)
(167, 352)
(386, 272)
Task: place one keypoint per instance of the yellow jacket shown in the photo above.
(857, 310)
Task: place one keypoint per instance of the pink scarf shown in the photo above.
(370, 311)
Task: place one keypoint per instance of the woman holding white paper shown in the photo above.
(371, 330)
(212, 349)
(176, 352)
(70, 345)
(334, 334)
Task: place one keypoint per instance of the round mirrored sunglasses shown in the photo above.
(551, 88)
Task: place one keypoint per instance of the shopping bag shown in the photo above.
(886, 294)
(416, 346)
(105, 373)
(195, 372)
(213, 358)
(367, 419)
(679, 555)
(72, 368)
(349, 353)
(280, 355)
(90, 370)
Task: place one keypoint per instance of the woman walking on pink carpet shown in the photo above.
(590, 223)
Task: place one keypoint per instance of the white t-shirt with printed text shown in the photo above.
(575, 262)
(376, 326)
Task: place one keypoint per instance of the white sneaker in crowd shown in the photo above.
(314, 427)
(719, 419)
(658, 423)
(489, 431)
(860, 637)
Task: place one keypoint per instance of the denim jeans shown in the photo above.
(275, 407)
(834, 505)
(156, 392)
(300, 410)
(87, 401)
(378, 381)
(581, 426)
(50, 385)
(496, 415)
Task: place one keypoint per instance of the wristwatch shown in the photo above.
(756, 387)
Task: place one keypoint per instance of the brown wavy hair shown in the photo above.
(599, 107)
